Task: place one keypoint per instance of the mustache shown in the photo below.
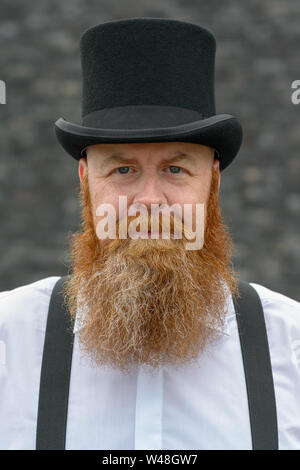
(130, 226)
(173, 237)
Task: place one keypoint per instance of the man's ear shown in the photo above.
(82, 168)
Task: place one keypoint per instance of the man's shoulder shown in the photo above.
(27, 302)
(278, 306)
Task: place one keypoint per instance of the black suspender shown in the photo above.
(257, 368)
(57, 358)
(55, 375)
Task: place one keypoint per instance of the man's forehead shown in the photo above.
(141, 152)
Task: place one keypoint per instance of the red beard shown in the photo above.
(150, 301)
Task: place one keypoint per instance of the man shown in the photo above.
(156, 361)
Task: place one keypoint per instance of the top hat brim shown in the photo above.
(222, 132)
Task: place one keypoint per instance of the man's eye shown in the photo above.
(122, 168)
(175, 168)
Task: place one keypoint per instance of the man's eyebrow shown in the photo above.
(175, 157)
(180, 156)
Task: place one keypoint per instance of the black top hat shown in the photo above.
(149, 80)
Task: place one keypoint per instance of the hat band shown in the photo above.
(140, 117)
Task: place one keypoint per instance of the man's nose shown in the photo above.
(150, 191)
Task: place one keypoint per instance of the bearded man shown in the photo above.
(146, 343)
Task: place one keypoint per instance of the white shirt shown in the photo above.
(199, 406)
